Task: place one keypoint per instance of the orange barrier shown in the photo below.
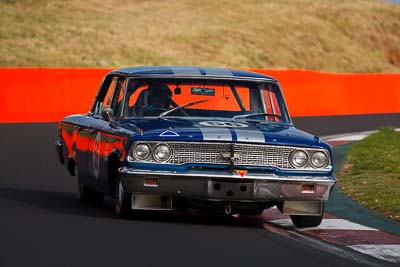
(311, 93)
(47, 95)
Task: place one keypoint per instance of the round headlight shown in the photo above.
(141, 151)
(319, 159)
(299, 159)
(162, 153)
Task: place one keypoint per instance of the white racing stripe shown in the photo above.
(220, 131)
(216, 134)
(185, 70)
(253, 135)
(327, 224)
(218, 72)
(385, 252)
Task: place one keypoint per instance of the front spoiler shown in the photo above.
(201, 184)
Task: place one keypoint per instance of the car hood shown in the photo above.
(210, 129)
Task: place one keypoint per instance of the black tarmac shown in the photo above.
(43, 224)
(329, 125)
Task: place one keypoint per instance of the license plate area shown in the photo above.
(230, 189)
(151, 202)
(313, 208)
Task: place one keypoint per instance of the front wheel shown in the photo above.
(306, 221)
(87, 195)
(122, 200)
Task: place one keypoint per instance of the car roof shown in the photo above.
(192, 72)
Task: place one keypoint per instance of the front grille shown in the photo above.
(213, 153)
(254, 155)
(219, 153)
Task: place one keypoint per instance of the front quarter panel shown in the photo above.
(68, 131)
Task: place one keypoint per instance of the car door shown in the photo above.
(101, 133)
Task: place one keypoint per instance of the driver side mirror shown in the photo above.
(107, 114)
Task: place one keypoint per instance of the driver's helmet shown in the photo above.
(158, 96)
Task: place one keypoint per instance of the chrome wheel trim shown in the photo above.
(120, 193)
(79, 185)
(119, 198)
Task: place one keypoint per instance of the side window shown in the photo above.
(105, 94)
(107, 101)
(119, 97)
(271, 103)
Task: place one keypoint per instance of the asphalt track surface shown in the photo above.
(43, 224)
(328, 125)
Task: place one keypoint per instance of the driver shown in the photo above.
(157, 98)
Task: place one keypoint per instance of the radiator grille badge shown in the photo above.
(242, 173)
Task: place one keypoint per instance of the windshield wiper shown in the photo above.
(181, 107)
(254, 114)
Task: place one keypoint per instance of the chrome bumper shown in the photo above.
(227, 186)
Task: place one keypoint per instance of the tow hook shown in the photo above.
(228, 209)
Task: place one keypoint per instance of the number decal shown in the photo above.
(223, 124)
(96, 155)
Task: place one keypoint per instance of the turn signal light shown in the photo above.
(308, 188)
(152, 181)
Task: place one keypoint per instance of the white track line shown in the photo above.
(389, 253)
(354, 137)
(350, 136)
(385, 252)
(327, 224)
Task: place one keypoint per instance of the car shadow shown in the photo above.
(68, 204)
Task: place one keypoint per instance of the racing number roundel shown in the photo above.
(223, 124)
(96, 155)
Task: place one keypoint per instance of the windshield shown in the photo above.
(239, 100)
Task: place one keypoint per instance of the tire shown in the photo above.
(301, 221)
(87, 195)
(122, 200)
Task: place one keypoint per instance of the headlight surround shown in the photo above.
(319, 159)
(162, 153)
(298, 158)
(141, 151)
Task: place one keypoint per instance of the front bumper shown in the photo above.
(213, 185)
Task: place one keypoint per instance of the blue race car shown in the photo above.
(220, 140)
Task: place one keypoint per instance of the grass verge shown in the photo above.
(339, 36)
(371, 175)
